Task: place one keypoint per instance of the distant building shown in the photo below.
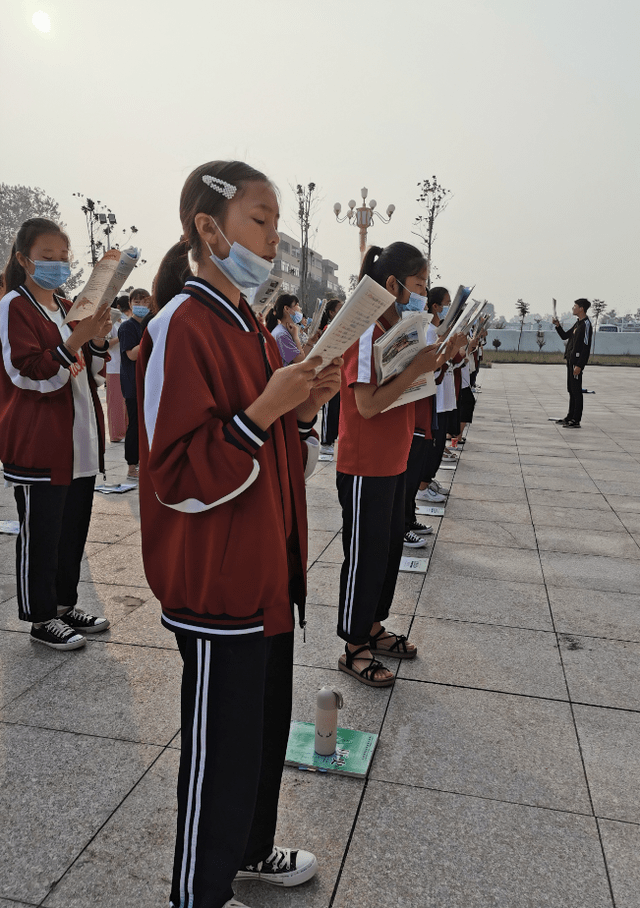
(287, 266)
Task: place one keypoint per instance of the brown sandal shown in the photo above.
(398, 648)
(366, 675)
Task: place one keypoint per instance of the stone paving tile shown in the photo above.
(323, 583)
(486, 532)
(511, 660)
(121, 561)
(471, 853)
(631, 521)
(487, 601)
(145, 822)
(601, 672)
(587, 542)
(499, 511)
(473, 492)
(482, 459)
(593, 572)
(623, 504)
(619, 487)
(141, 627)
(588, 501)
(24, 663)
(75, 697)
(610, 742)
(486, 561)
(550, 481)
(482, 743)
(621, 843)
(575, 518)
(595, 613)
(52, 818)
(319, 541)
(316, 813)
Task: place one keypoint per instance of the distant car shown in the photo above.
(613, 328)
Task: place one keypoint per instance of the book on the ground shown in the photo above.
(431, 510)
(9, 527)
(352, 757)
(367, 302)
(105, 282)
(414, 565)
(116, 489)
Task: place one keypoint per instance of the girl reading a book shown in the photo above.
(225, 436)
(373, 447)
(51, 430)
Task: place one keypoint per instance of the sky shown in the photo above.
(527, 110)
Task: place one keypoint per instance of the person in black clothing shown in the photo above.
(129, 335)
(576, 354)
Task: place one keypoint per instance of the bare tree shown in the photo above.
(597, 307)
(17, 205)
(101, 226)
(434, 198)
(306, 201)
(522, 309)
(353, 282)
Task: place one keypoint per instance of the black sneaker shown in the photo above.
(412, 541)
(57, 635)
(81, 621)
(421, 528)
(572, 424)
(283, 867)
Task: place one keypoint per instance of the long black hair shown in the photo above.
(276, 313)
(14, 273)
(399, 260)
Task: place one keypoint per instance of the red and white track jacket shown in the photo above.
(223, 509)
(36, 396)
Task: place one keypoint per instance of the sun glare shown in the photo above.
(41, 21)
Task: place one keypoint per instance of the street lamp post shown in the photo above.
(362, 216)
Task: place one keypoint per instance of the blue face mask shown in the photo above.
(140, 311)
(296, 317)
(443, 314)
(416, 302)
(50, 275)
(245, 269)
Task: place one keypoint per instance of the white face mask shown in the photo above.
(245, 269)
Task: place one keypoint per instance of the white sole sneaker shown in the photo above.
(283, 867)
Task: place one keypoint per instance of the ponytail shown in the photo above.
(276, 314)
(399, 260)
(172, 274)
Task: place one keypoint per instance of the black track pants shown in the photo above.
(576, 400)
(236, 710)
(54, 522)
(372, 537)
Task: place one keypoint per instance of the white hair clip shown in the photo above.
(225, 189)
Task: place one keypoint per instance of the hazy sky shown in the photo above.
(528, 110)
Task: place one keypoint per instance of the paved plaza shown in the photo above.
(508, 768)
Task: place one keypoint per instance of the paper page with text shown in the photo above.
(367, 302)
(105, 282)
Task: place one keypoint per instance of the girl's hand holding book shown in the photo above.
(94, 327)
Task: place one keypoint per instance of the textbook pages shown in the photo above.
(105, 282)
(368, 301)
(455, 310)
(264, 295)
(396, 349)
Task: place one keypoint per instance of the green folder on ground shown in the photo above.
(352, 757)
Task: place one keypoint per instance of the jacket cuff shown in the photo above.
(64, 356)
(306, 428)
(244, 434)
(99, 351)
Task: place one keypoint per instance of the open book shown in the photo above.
(321, 305)
(368, 301)
(397, 347)
(455, 310)
(105, 282)
(265, 295)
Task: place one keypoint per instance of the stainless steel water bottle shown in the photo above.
(327, 705)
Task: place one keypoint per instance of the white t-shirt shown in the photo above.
(113, 366)
(465, 376)
(86, 439)
(446, 390)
